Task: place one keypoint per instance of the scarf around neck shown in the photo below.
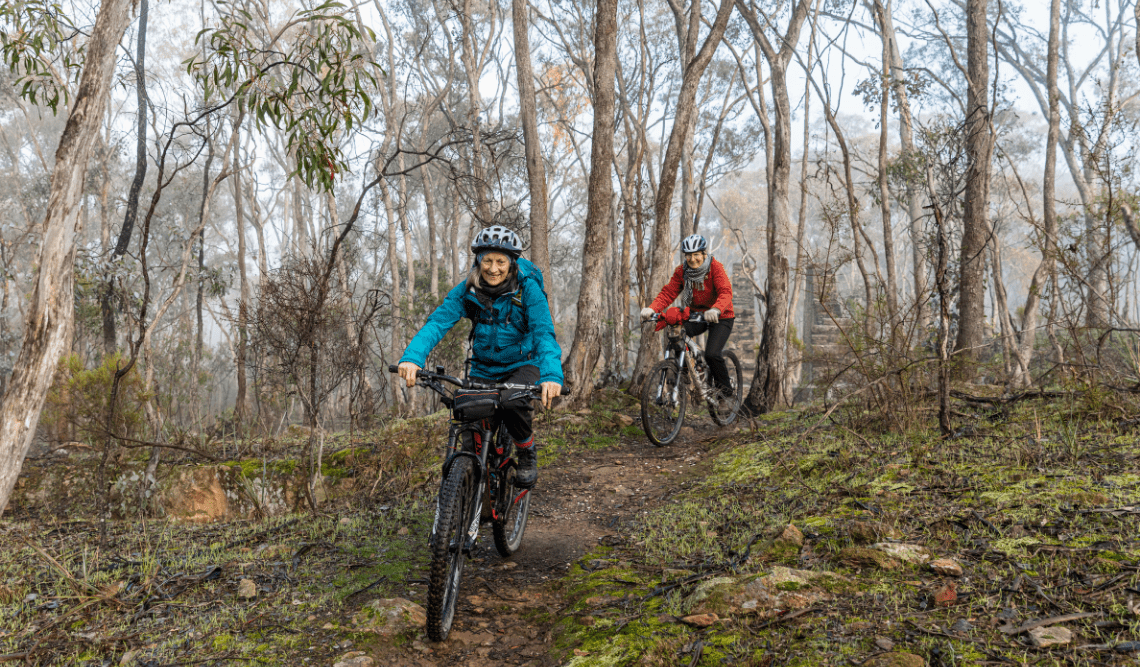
(487, 294)
(695, 279)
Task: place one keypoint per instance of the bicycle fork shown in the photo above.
(473, 528)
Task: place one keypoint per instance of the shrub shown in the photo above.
(76, 407)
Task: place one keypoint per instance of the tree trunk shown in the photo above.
(394, 268)
(432, 228)
(1000, 307)
(979, 151)
(588, 331)
(913, 190)
(687, 33)
(940, 283)
(107, 298)
(885, 190)
(51, 311)
(535, 168)
(1044, 273)
(769, 390)
(472, 70)
(623, 325)
(140, 143)
(456, 265)
(241, 409)
(300, 229)
(801, 217)
(199, 331)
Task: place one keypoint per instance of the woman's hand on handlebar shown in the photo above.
(647, 313)
(408, 370)
(549, 391)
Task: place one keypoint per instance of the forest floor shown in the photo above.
(1014, 541)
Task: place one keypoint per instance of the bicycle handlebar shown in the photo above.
(695, 316)
(469, 384)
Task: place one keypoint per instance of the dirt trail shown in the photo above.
(577, 503)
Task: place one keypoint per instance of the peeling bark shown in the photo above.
(51, 313)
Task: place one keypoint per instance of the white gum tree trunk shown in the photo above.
(51, 312)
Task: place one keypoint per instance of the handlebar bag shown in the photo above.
(472, 404)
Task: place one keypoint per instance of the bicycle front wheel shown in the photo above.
(724, 411)
(663, 402)
(453, 515)
(513, 511)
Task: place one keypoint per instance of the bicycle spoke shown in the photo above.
(663, 402)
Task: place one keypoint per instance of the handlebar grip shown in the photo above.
(565, 391)
(392, 368)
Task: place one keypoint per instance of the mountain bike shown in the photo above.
(665, 393)
(477, 486)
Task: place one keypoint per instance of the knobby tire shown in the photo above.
(509, 527)
(456, 499)
(662, 408)
(724, 412)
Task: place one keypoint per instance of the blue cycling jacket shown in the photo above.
(516, 330)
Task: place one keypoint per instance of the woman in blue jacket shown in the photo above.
(512, 339)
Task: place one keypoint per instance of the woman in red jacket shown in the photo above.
(704, 286)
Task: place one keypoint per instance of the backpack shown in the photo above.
(473, 312)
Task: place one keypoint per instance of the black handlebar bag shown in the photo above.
(475, 404)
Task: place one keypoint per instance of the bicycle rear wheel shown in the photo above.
(456, 500)
(512, 509)
(663, 402)
(724, 411)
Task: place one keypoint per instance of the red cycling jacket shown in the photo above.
(716, 292)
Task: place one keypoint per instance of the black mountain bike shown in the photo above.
(477, 487)
(665, 394)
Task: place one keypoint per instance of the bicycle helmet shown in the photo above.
(497, 238)
(694, 243)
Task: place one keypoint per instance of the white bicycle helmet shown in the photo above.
(694, 243)
(497, 238)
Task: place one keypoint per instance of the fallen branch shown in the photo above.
(1042, 622)
(140, 444)
(999, 400)
(698, 651)
(366, 588)
(943, 634)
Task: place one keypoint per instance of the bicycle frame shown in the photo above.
(689, 353)
(489, 455)
(485, 436)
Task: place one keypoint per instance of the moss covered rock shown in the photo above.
(867, 557)
(389, 617)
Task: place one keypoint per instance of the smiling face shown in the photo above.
(695, 259)
(494, 268)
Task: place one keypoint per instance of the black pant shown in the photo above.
(516, 412)
(714, 348)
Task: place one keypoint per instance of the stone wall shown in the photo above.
(745, 340)
(825, 350)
